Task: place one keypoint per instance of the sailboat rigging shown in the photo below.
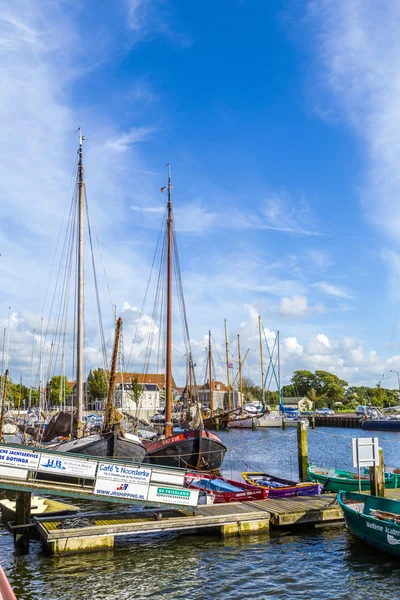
(112, 440)
(196, 448)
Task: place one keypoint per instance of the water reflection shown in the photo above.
(327, 564)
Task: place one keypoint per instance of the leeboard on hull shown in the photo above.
(193, 449)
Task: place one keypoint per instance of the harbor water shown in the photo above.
(324, 563)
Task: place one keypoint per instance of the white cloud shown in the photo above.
(333, 290)
(359, 49)
(297, 306)
(133, 136)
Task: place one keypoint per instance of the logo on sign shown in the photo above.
(53, 463)
(122, 487)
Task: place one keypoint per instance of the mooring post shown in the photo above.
(283, 422)
(302, 450)
(313, 422)
(377, 477)
(254, 423)
(22, 517)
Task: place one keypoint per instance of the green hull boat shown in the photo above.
(335, 480)
(374, 520)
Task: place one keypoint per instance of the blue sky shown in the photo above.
(281, 124)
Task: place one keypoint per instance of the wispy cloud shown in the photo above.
(333, 290)
(358, 46)
(133, 136)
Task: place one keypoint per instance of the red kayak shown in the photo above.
(225, 490)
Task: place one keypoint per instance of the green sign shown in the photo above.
(173, 492)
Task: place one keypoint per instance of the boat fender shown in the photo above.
(157, 516)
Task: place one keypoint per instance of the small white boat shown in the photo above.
(245, 422)
(274, 419)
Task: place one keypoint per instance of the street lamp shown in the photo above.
(398, 376)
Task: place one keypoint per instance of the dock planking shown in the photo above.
(230, 519)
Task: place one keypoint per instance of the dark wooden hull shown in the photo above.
(194, 449)
(113, 445)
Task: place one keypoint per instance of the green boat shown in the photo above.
(335, 480)
(373, 520)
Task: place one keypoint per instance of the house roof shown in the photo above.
(293, 399)
(157, 378)
(217, 384)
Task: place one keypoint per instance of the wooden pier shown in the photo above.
(347, 421)
(233, 519)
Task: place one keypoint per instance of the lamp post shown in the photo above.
(398, 376)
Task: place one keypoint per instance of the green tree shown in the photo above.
(97, 384)
(251, 392)
(302, 382)
(57, 390)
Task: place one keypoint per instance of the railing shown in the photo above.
(106, 479)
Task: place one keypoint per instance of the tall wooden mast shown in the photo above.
(108, 413)
(261, 360)
(227, 366)
(240, 375)
(210, 375)
(168, 372)
(80, 320)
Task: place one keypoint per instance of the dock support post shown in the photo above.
(283, 422)
(254, 423)
(313, 422)
(377, 477)
(22, 516)
(302, 450)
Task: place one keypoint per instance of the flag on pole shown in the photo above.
(163, 188)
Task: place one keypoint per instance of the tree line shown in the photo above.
(326, 389)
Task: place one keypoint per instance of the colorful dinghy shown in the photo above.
(336, 480)
(226, 490)
(373, 520)
(282, 488)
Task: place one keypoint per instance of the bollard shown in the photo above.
(302, 450)
(377, 477)
(22, 517)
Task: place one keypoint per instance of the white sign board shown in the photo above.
(121, 489)
(21, 459)
(6, 471)
(365, 452)
(171, 495)
(159, 476)
(67, 466)
(130, 474)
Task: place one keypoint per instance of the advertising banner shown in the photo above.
(172, 478)
(14, 473)
(170, 495)
(67, 466)
(127, 473)
(121, 489)
(21, 459)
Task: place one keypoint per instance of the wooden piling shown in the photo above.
(377, 477)
(283, 422)
(302, 450)
(22, 517)
(313, 422)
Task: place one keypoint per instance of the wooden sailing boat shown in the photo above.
(215, 418)
(196, 448)
(112, 441)
(243, 419)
